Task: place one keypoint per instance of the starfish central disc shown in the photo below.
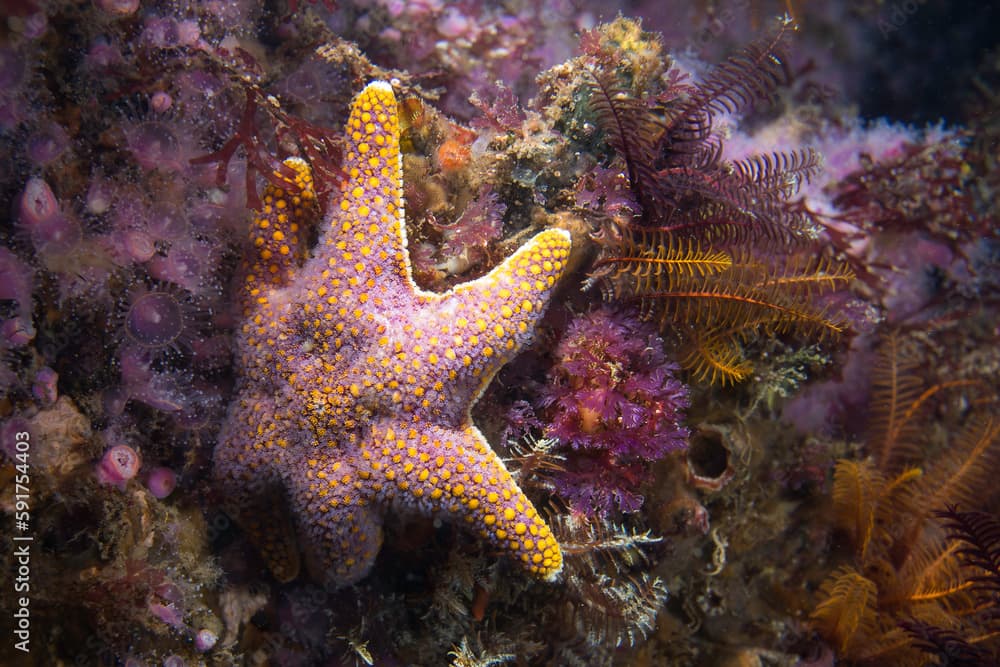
(356, 386)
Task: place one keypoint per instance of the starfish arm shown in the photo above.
(247, 462)
(341, 527)
(454, 473)
(276, 235)
(493, 317)
(430, 358)
(364, 246)
(276, 253)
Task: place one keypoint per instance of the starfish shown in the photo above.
(356, 386)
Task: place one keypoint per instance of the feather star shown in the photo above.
(356, 385)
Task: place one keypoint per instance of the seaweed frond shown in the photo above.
(967, 468)
(616, 602)
(716, 249)
(978, 533)
(747, 78)
(899, 396)
(619, 612)
(784, 172)
(465, 655)
(848, 607)
(319, 145)
(717, 299)
(948, 645)
(974, 541)
(650, 259)
(599, 544)
(926, 584)
(860, 491)
(629, 129)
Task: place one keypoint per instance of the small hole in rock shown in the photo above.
(708, 457)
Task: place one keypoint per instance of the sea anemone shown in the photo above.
(160, 318)
(119, 464)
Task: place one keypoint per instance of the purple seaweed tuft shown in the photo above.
(612, 396)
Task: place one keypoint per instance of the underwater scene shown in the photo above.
(468, 334)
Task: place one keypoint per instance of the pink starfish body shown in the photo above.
(357, 386)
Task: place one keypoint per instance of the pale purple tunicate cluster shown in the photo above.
(44, 388)
(161, 482)
(16, 288)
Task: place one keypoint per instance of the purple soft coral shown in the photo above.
(613, 395)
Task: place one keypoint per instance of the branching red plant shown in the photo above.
(320, 146)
